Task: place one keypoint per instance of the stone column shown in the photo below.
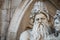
(5, 24)
(5, 20)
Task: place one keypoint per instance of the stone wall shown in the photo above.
(7, 11)
(0, 24)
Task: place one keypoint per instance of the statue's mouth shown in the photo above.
(41, 25)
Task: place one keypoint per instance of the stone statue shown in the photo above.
(40, 30)
(57, 20)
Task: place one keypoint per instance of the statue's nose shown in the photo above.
(40, 20)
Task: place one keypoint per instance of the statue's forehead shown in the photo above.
(40, 16)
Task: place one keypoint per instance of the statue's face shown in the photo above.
(40, 18)
(40, 23)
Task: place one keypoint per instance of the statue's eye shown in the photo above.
(42, 18)
(37, 19)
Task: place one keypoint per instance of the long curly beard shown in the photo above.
(40, 31)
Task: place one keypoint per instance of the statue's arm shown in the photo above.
(24, 36)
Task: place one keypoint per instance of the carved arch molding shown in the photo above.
(20, 20)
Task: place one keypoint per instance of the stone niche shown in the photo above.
(24, 22)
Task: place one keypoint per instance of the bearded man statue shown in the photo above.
(40, 30)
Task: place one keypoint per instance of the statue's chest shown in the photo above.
(49, 37)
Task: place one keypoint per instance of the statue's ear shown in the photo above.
(49, 19)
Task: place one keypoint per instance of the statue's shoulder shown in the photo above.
(25, 35)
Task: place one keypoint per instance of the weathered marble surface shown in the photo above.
(25, 36)
(40, 27)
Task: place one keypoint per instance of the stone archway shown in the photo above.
(17, 19)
